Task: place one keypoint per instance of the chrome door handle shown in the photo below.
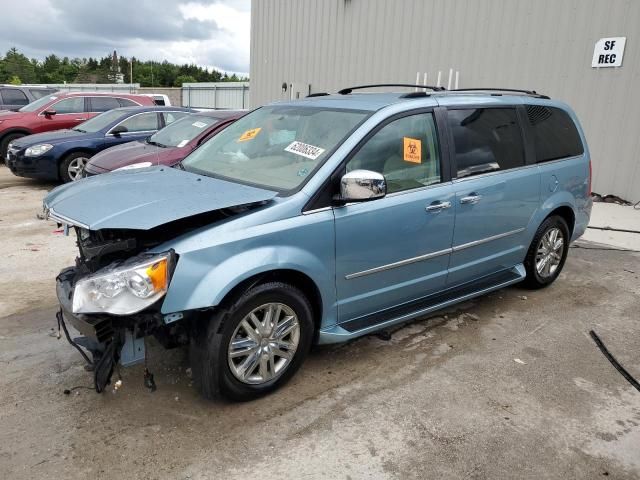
(80, 119)
(436, 207)
(471, 199)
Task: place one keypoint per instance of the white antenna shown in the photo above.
(425, 79)
(450, 78)
(457, 77)
(439, 75)
(417, 81)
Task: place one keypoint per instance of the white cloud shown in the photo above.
(209, 33)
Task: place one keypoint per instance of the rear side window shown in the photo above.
(486, 140)
(170, 117)
(125, 102)
(554, 133)
(103, 104)
(39, 92)
(13, 96)
(142, 122)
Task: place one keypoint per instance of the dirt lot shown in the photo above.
(508, 386)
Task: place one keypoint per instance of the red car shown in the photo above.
(165, 147)
(61, 110)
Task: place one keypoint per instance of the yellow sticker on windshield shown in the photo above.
(412, 150)
(249, 134)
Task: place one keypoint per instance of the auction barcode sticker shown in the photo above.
(304, 149)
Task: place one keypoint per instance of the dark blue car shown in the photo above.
(62, 155)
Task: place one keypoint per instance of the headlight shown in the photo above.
(123, 289)
(38, 150)
(134, 165)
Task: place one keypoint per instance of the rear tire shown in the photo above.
(547, 253)
(72, 166)
(236, 357)
(4, 144)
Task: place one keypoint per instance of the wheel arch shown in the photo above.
(567, 214)
(293, 277)
(11, 131)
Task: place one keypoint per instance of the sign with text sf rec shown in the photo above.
(608, 52)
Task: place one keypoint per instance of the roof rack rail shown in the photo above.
(508, 90)
(318, 94)
(347, 91)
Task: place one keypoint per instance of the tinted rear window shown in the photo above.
(125, 102)
(103, 104)
(13, 96)
(486, 140)
(555, 135)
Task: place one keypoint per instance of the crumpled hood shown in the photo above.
(145, 198)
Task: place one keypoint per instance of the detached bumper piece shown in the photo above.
(109, 339)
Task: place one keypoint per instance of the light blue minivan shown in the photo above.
(318, 221)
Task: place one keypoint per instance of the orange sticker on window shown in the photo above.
(249, 134)
(412, 150)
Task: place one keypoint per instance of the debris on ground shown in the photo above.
(517, 360)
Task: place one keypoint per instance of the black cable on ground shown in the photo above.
(60, 319)
(613, 361)
(605, 248)
(614, 229)
(67, 391)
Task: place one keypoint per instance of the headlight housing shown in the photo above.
(134, 165)
(124, 289)
(38, 150)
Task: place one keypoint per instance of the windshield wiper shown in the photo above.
(157, 144)
(79, 130)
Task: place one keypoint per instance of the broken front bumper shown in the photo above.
(96, 327)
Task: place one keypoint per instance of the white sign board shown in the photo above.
(608, 52)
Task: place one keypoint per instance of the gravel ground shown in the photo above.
(507, 386)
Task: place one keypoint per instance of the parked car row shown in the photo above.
(318, 221)
(55, 137)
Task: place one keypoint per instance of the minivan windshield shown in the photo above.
(182, 131)
(276, 147)
(101, 121)
(41, 102)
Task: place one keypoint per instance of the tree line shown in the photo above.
(17, 68)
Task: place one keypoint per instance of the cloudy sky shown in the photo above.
(209, 33)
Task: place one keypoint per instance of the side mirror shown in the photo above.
(362, 185)
(49, 113)
(119, 129)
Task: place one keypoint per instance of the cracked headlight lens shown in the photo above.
(123, 289)
(38, 150)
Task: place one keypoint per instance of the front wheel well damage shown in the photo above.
(291, 277)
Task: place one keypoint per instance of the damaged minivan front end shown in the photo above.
(114, 293)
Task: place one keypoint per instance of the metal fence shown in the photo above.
(219, 95)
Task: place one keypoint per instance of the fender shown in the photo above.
(204, 276)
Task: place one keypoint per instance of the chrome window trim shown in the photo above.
(400, 263)
(496, 172)
(487, 239)
(109, 134)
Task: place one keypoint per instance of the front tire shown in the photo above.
(72, 166)
(4, 144)
(255, 345)
(547, 253)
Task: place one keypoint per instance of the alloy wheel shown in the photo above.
(549, 253)
(76, 168)
(264, 343)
